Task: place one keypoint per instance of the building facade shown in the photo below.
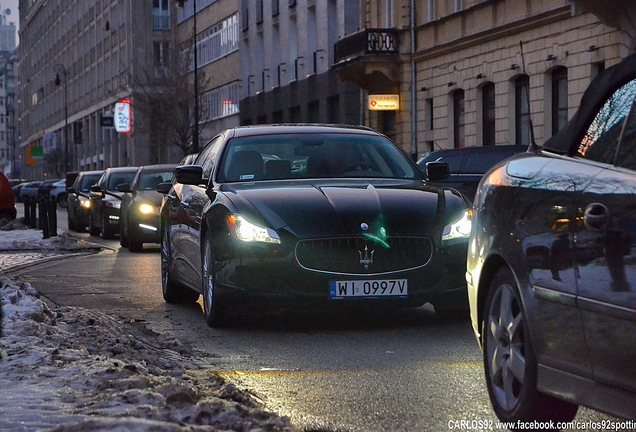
(474, 72)
(218, 61)
(287, 49)
(77, 59)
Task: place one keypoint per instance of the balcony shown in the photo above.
(369, 58)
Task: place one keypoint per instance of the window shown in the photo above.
(161, 53)
(559, 98)
(208, 156)
(600, 142)
(220, 102)
(160, 14)
(522, 110)
(488, 114)
(458, 5)
(458, 119)
(431, 10)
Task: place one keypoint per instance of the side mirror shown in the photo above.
(70, 190)
(124, 187)
(164, 188)
(96, 191)
(189, 174)
(436, 170)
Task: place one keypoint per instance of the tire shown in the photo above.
(92, 229)
(107, 234)
(123, 238)
(62, 200)
(172, 292)
(134, 244)
(214, 311)
(72, 226)
(509, 359)
(5, 218)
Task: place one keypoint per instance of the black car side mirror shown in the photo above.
(164, 188)
(436, 170)
(70, 190)
(96, 191)
(189, 174)
(124, 187)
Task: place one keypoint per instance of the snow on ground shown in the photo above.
(16, 236)
(68, 369)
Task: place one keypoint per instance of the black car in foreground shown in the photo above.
(139, 222)
(552, 265)
(469, 164)
(78, 199)
(311, 216)
(106, 201)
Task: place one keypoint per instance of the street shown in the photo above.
(384, 370)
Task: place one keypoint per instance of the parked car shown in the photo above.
(16, 191)
(140, 205)
(7, 201)
(58, 191)
(45, 188)
(356, 225)
(106, 201)
(29, 190)
(78, 199)
(468, 164)
(551, 267)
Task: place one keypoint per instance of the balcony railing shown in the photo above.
(367, 41)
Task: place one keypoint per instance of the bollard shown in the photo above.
(27, 212)
(52, 216)
(44, 219)
(32, 217)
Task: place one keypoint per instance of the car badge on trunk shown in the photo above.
(366, 257)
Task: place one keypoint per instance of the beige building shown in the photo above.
(77, 59)
(475, 72)
(218, 61)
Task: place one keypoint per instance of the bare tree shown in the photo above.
(164, 96)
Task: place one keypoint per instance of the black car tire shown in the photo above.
(512, 384)
(215, 313)
(62, 200)
(107, 233)
(93, 230)
(172, 292)
(134, 244)
(71, 223)
(123, 238)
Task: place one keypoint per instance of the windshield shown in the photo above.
(301, 156)
(88, 181)
(119, 178)
(149, 180)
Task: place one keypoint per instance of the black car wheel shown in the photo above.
(215, 313)
(71, 222)
(134, 243)
(172, 292)
(509, 360)
(62, 200)
(107, 233)
(123, 237)
(92, 229)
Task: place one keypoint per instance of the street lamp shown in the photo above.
(195, 129)
(61, 69)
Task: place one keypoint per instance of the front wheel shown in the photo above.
(172, 292)
(509, 359)
(215, 313)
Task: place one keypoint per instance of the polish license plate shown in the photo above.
(371, 288)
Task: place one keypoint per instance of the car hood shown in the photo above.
(149, 196)
(322, 209)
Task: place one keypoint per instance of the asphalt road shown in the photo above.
(395, 370)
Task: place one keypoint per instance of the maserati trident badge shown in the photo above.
(366, 257)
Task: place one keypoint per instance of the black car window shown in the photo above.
(316, 155)
(119, 178)
(601, 139)
(454, 161)
(479, 163)
(626, 154)
(87, 181)
(149, 180)
(207, 157)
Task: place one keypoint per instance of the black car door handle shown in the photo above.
(596, 217)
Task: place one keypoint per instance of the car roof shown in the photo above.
(95, 172)
(158, 167)
(122, 169)
(291, 128)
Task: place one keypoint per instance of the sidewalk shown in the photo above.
(20, 247)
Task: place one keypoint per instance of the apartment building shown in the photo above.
(287, 49)
(218, 61)
(8, 61)
(475, 72)
(78, 58)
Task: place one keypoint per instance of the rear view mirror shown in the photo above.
(437, 170)
(189, 174)
(164, 188)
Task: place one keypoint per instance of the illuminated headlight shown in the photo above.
(247, 231)
(458, 229)
(148, 209)
(85, 202)
(112, 204)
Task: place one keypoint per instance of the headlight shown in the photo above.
(247, 231)
(458, 229)
(85, 202)
(148, 209)
(112, 204)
